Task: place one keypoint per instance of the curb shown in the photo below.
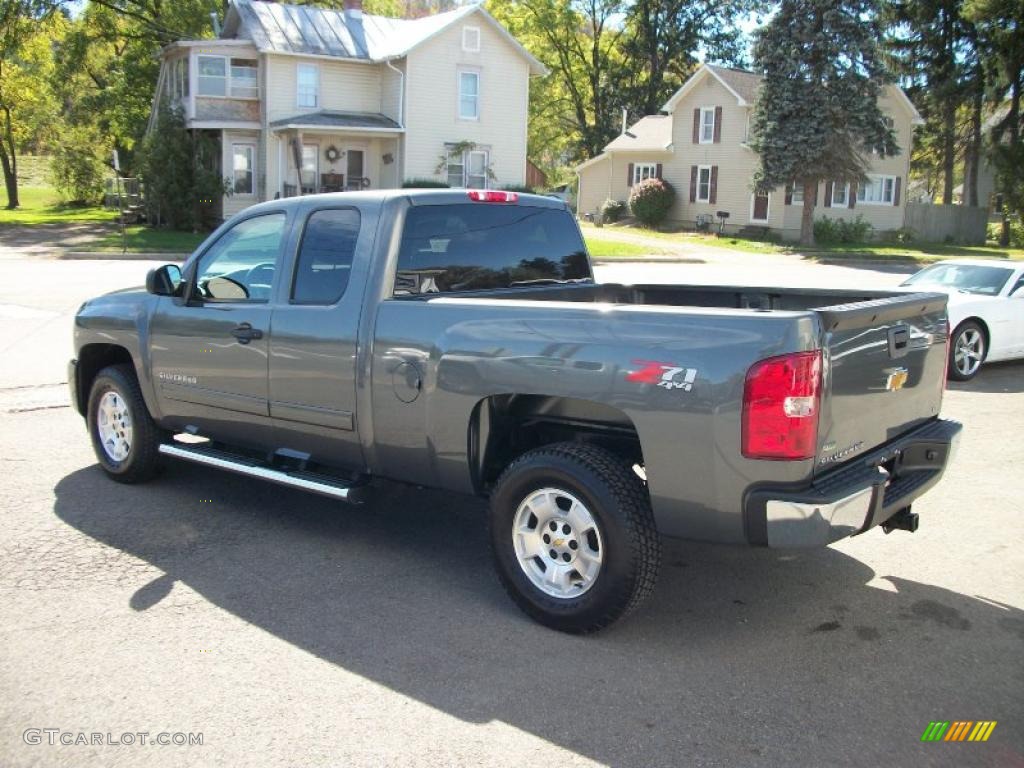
(879, 265)
(166, 257)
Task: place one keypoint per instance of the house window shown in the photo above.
(471, 39)
(468, 169)
(704, 184)
(643, 171)
(244, 79)
(310, 167)
(177, 85)
(797, 194)
(878, 190)
(307, 87)
(840, 195)
(707, 125)
(213, 76)
(243, 167)
(469, 96)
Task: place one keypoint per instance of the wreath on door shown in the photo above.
(332, 153)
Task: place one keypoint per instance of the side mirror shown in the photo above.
(164, 281)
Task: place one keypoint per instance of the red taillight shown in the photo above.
(492, 196)
(781, 398)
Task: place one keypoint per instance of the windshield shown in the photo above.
(971, 278)
(478, 246)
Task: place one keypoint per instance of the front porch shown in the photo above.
(335, 152)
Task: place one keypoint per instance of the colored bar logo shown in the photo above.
(958, 730)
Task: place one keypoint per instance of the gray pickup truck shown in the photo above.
(458, 340)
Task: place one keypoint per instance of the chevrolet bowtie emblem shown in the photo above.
(897, 378)
(558, 542)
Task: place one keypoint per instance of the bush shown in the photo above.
(651, 200)
(78, 166)
(842, 230)
(901, 236)
(178, 170)
(425, 184)
(612, 210)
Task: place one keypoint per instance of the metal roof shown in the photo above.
(305, 29)
(326, 118)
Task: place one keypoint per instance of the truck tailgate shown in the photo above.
(884, 372)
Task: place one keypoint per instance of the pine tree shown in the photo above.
(817, 113)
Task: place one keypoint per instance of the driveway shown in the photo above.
(290, 630)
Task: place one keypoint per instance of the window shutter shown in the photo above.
(696, 126)
(718, 125)
(629, 176)
(713, 189)
(657, 172)
(851, 192)
(693, 183)
(789, 194)
(828, 193)
(896, 191)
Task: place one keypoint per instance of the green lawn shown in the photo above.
(918, 252)
(42, 205)
(606, 249)
(143, 239)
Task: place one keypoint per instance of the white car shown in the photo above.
(986, 310)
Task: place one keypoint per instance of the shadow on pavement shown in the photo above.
(741, 657)
(1005, 377)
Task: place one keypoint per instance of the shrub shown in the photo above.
(651, 200)
(78, 166)
(901, 236)
(612, 210)
(425, 184)
(178, 170)
(842, 230)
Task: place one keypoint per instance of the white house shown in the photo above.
(303, 99)
(699, 145)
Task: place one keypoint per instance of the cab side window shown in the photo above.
(240, 266)
(325, 256)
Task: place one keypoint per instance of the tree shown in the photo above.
(24, 56)
(817, 113)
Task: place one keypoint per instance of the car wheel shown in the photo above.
(124, 436)
(573, 536)
(967, 351)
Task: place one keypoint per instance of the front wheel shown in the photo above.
(966, 351)
(124, 436)
(573, 536)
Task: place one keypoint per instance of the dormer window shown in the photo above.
(471, 39)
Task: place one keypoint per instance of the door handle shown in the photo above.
(246, 333)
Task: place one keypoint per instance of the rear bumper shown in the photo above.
(855, 497)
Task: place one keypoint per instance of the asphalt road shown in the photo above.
(290, 630)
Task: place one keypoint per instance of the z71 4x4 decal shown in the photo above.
(666, 375)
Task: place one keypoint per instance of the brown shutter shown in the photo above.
(693, 183)
(629, 176)
(789, 194)
(657, 171)
(851, 192)
(896, 192)
(718, 124)
(696, 126)
(713, 190)
(828, 193)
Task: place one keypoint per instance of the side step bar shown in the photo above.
(306, 481)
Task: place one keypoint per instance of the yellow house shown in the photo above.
(303, 99)
(699, 145)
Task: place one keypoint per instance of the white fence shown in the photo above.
(947, 223)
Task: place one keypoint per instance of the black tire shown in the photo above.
(955, 338)
(617, 500)
(142, 460)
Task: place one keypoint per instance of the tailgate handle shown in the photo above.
(899, 339)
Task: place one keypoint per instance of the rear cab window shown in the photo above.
(473, 246)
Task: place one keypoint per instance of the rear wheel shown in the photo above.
(124, 436)
(573, 536)
(967, 351)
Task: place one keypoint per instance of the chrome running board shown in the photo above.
(306, 481)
